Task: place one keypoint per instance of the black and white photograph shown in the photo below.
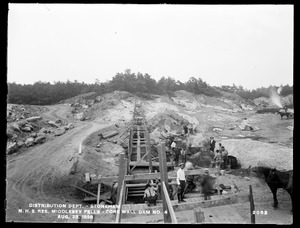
(149, 113)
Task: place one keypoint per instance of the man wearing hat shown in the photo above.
(181, 183)
(212, 144)
(150, 194)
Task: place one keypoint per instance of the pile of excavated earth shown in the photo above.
(99, 125)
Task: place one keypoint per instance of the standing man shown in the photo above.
(212, 144)
(183, 155)
(224, 154)
(181, 183)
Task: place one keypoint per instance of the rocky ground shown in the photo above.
(43, 142)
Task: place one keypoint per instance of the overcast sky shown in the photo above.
(248, 45)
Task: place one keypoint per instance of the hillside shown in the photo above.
(44, 140)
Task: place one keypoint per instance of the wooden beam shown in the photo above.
(98, 193)
(74, 166)
(80, 148)
(164, 178)
(199, 215)
(81, 189)
(138, 161)
(251, 205)
(119, 209)
(236, 198)
(121, 173)
(149, 176)
(149, 152)
(168, 201)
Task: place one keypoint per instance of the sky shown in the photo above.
(247, 45)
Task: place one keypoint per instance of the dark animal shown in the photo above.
(232, 161)
(276, 179)
(204, 182)
(282, 114)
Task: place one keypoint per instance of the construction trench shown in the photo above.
(142, 162)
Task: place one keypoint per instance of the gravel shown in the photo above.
(254, 153)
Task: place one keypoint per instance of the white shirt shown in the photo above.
(173, 144)
(180, 175)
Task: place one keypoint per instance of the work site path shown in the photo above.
(34, 175)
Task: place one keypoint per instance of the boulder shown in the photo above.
(52, 123)
(34, 118)
(14, 136)
(41, 134)
(29, 142)
(20, 143)
(26, 129)
(70, 126)
(85, 106)
(79, 116)
(33, 135)
(43, 130)
(9, 133)
(15, 127)
(59, 132)
(11, 147)
(40, 139)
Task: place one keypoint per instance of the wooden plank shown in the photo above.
(148, 148)
(148, 176)
(119, 210)
(74, 166)
(93, 199)
(87, 177)
(251, 205)
(199, 215)
(121, 173)
(164, 178)
(138, 162)
(81, 189)
(236, 198)
(109, 134)
(98, 193)
(168, 201)
(146, 164)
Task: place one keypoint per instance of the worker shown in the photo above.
(219, 146)
(183, 155)
(185, 128)
(212, 144)
(150, 194)
(173, 145)
(224, 154)
(181, 183)
(218, 158)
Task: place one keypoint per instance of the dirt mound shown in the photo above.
(166, 124)
(265, 102)
(249, 152)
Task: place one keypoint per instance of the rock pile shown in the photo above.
(32, 131)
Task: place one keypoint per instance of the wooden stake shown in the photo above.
(251, 205)
(80, 148)
(199, 215)
(121, 174)
(164, 177)
(98, 193)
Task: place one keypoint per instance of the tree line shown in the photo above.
(45, 93)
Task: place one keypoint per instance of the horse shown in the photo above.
(282, 114)
(276, 179)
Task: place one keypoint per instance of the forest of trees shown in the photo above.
(45, 93)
